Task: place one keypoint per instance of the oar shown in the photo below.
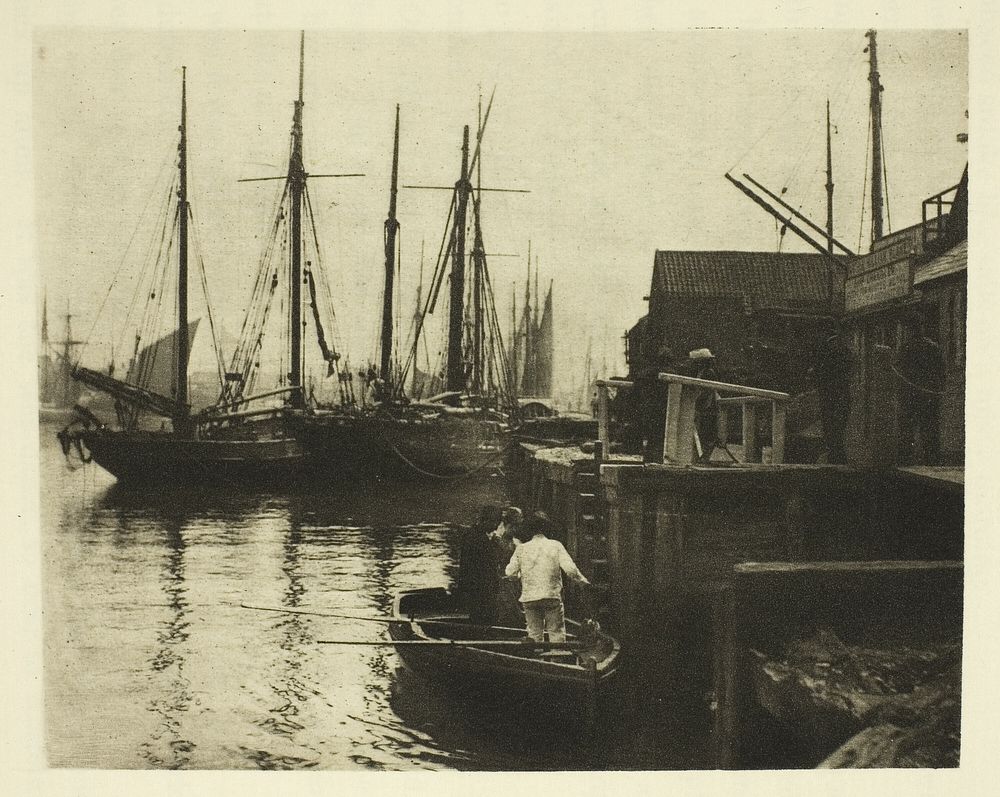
(459, 643)
(318, 614)
(448, 623)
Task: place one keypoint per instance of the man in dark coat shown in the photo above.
(831, 373)
(920, 373)
(651, 396)
(701, 365)
(478, 579)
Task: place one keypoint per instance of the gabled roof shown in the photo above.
(762, 278)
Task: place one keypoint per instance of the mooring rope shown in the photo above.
(914, 385)
(443, 477)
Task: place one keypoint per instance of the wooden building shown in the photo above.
(921, 269)
(759, 312)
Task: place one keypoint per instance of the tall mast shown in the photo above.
(45, 322)
(66, 366)
(391, 227)
(477, 304)
(513, 338)
(876, 113)
(537, 293)
(477, 259)
(46, 368)
(829, 184)
(528, 382)
(296, 184)
(479, 256)
(183, 410)
(456, 370)
(416, 320)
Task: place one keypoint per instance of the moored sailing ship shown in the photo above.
(187, 447)
(463, 429)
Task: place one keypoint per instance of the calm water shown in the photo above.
(151, 663)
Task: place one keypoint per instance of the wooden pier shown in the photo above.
(709, 556)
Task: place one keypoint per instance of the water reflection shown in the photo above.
(168, 747)
(151, 662)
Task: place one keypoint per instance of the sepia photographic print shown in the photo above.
(501, 398)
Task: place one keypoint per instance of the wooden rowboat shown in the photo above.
(573, 674)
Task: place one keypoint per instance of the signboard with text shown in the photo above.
(879, 277)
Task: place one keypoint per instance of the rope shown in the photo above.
(885, 181)
(864, 185)
(785, 112)
(437, 278)
(219, 362)
(145, 207)
(915, 386)
(254, 322)
(441, 476)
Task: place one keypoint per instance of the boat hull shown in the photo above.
(152, 458)
(50, 413)
(492, 674)
(402, 448)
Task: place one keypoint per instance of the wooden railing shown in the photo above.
(681, 445)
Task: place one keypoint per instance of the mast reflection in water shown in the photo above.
(151, 663)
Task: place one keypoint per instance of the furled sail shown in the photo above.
(329, 355)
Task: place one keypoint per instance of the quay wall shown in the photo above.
(670, 542)
(671, 535)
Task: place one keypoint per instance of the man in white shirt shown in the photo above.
(540, 563)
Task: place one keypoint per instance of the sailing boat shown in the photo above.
(533, 344)
(57, 392)
(465, 428)
(187, 447)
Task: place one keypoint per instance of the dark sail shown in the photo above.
(154, 367)
(543, 345)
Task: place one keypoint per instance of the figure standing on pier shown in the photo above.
(651, 403)
(701, 364)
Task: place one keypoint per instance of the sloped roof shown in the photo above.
(951, 262)
(764, 278)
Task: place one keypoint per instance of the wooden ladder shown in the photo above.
(592, 541)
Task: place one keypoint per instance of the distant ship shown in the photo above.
(57, 391)
(532, 350)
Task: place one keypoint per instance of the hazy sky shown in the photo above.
(622, 139)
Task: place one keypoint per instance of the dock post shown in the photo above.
(730, 702)
(673, 450)
(751, 453)
(603, 422)
(592, 707)
(777, 432)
